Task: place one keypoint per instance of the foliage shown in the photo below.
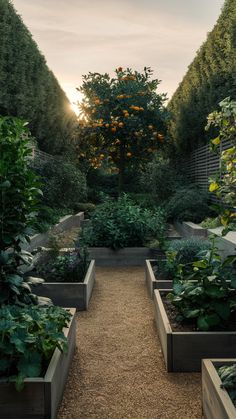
(227, 374)
(188, 204)
(121, 223)
(224, 185)
(18, 206)
(124, 120)
(87, 208)
(210, 301)
(210, 223)
(63, 184)
(28, 339)
(163, 178)
(29, 90)
(210, 78)
(70, 266)
(48, 217)
(181, 252)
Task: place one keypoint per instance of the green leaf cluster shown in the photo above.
(210, 301)
(28, 338)
(19, 202)
(121, 223)
(227, 374)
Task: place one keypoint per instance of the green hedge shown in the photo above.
(28, 89)
(210, 78)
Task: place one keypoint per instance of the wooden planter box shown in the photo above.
(65, 223)
(69, 294)
(129, 256)
(40, 397)
(216, 402)
(188, 229)
(152, 282)
(183, 351)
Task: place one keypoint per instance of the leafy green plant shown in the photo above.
(188, 204)
(209, 302)
(121, 223)
(181, 253)
(70, 266)
(227, 374)
(210, 223)
(19, 189)
(28, 338)
(224, 184)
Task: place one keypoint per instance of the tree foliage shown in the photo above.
(28, 89)
(210, 78)
(124, 119)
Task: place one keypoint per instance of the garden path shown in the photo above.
(118, 370)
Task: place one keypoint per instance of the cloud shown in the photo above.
(78, 36)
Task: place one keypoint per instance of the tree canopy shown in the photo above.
(124, 119)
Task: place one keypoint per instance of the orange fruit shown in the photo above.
(128, 154)
(107, 125)
(121, 124)
(113, 129)
(126, 115)
(150, 127)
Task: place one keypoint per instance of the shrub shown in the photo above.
(87, 208)
(210, 223)
(63, 185)
(20, 193)
(29, 336)
(121, 223)
(162, 178)
(188, 204)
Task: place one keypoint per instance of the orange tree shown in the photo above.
(123, 120)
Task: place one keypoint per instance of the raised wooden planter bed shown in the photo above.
(129, 256)
(183, 351)
(216, 402)
(40, 397)
(65, 223)
(152, 282)
(70, 294)
(188, 229)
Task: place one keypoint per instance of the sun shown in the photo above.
(74, 97)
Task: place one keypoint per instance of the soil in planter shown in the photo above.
(66, 267)
(190, 326)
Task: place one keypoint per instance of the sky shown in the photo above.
(78, 36)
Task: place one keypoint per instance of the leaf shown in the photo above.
(30, 364)
(215, 291)
(216, 141)
(213, 187)
(222, 308)
(207, 321)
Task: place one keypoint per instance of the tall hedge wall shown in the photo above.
(28, 89)
(210, 78)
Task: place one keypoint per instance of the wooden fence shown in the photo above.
(203, 163)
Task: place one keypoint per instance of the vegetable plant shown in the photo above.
(210, 301)
(28, 337)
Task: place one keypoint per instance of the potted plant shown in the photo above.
(219, 388)
(195, 319)
(33, 368)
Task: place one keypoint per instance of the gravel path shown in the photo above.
(118, 370)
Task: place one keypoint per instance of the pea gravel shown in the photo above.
(118, 370)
